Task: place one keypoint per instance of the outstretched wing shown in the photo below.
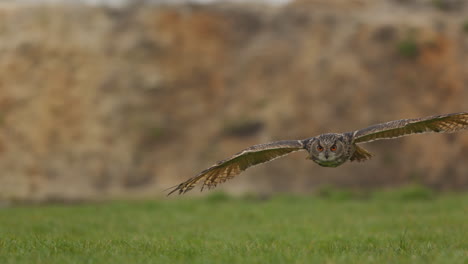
(228, 168)
(438, 124)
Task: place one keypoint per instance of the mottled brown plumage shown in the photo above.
(328, 150)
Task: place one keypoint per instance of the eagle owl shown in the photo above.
(327, 150)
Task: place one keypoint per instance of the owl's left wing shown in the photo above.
(228, 168)
(438, 124)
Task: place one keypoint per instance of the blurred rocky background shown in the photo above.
(99, 102)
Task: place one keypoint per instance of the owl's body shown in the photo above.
(327, 150)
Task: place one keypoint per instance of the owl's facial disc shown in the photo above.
(327, 155)
(327, 151)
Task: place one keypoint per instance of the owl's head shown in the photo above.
(328, 150)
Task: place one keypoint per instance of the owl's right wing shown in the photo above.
(439, 124)
(228, 168)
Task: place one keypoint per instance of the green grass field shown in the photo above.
(404, 226)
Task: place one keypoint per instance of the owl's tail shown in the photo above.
(360, 154)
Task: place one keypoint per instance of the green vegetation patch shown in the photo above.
(403, 226)
(465, 26)
(408, 48)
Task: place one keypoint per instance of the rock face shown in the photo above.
(101, 102)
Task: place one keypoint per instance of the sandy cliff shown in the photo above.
(98, 101)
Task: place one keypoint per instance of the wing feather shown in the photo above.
(437, 124)
(229, 168)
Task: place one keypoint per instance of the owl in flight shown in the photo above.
(327, 150)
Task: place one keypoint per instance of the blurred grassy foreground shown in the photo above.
(410, 225)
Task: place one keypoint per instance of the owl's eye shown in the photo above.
(333, 148)
(319, 148)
